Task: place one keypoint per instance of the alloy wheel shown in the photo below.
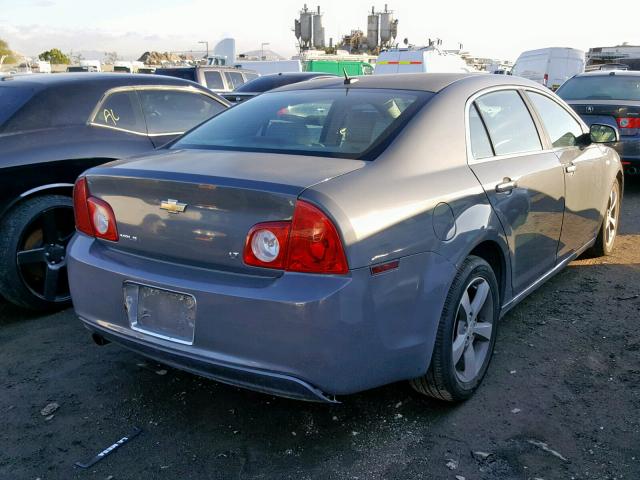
(42, 254)
(611, 218)
(472, 330)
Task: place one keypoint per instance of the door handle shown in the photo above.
(571, 168)
(506, 186)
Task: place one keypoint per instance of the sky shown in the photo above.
(490, 28)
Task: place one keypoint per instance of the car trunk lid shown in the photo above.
(196, 207)
(607, 112)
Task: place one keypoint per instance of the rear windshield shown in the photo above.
(269, 82)
(605, 87)
(346, 123)
(184, 73)
(11, 99)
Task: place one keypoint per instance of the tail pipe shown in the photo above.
(99, 339)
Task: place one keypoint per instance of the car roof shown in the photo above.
(428, 82)
(44, 80)
(606, 73)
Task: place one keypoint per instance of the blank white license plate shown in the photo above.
(161, 313)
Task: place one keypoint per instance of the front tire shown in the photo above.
(606, 238)
(466, 334)
(33, 241)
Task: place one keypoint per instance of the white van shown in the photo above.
(550, 66)
(428, 59)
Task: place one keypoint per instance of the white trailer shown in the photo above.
(425, 60)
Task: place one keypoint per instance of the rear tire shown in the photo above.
(606, 238)
(466, 334)
(33, 240)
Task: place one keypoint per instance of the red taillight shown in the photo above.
(94, 217)
(628, 122)
(81, 207)
(309, 243)
(314, 243)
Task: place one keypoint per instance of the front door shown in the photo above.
(524, 183)
(583, 171)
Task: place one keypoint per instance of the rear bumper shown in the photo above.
(629, 150)
(296, 335)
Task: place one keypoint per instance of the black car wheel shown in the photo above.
(33, 252)
(466, 334)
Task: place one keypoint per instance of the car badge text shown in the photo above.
(173, 206)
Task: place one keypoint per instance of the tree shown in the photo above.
(54, 56)
(6, 53)
(110, 57)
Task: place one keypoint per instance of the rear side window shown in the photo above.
(11, 99)
(559, 124)
(234, 79)
(213, 80)
(509, 123)
(170, 111)
(480, 143)
(250, 76)
(120, 110)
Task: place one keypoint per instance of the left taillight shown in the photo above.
(94, 217)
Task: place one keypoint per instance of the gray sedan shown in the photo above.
(337, 235)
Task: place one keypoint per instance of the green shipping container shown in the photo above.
(336, 67)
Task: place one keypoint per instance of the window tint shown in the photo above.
(11, 99)
(480, 144)
(560, 125)
(601, 87)
(170, 111)
(121, 110)
(509, 123)
(56, 106)
(328, 122)
(213, 80)
(234, 79)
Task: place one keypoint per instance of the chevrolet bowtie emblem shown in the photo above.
(173, 206)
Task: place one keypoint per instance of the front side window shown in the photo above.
(480, 144)
(346, 123)
(562, 128)
(172, 111)
(601, 87)
(213, 80)
(120, 110)
(508, 122)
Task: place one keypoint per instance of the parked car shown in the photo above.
(332, 236)
(412, 60)
(266, 67)
(550, 67)
(269, 82)
(216, 79)
(52, 128)
(610, 98)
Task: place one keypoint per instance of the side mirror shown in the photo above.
(600, 133)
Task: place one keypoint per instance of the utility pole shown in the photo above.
(262, 49)
(207, 44)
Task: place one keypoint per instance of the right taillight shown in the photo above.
(94, 217)
(628, 122)
(314, 243)
(310, 243)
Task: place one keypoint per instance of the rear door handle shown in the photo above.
(506, 186)
(571, 168)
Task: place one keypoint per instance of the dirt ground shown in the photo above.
(561, 400)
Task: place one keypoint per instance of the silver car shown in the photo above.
(337, 235)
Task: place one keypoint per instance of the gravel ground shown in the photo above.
(561, 400)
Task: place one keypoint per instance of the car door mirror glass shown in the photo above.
(603, 133)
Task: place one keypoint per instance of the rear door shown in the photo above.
(583, 169)
(170, 112)
(523, 181)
